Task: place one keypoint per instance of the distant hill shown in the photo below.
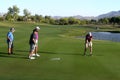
(57, 17)
(82, 17)
(77, 17)
(109, 15)
(106, 15)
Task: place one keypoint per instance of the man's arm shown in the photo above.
(34, 38)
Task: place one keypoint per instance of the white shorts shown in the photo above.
(88, 44)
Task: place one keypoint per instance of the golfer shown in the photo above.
(10, 39)
(88, 43)
(34, 43)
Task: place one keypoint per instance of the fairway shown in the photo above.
(61, 55)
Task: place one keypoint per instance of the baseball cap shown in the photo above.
(90, 33)
(37, 27)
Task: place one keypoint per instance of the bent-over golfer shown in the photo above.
(88, 43)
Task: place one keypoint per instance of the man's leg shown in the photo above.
(9, 51)
(12, 48)
(32, 50)
(86, 45)
(90, 48)
(9, 47)
(36, 49)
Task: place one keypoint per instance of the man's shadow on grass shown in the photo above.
(49, 52)
(6, 55)
(62, 53)
(67, 53)
(22, 51)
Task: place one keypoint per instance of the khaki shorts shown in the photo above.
(88, 44)
(36, 43)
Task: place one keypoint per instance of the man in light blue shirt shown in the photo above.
(10, 39)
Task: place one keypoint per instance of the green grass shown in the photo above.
(57, 42)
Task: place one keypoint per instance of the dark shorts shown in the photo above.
(10, 44)
(32, 47)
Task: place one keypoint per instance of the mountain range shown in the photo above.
(106, 15)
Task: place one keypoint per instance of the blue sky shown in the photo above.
(62, 7)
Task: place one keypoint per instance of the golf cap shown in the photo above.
(38, 28)
(12, 29)
(90, 33)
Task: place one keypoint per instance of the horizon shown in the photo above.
(88, 8)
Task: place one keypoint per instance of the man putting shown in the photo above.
(34, 43)
(88, 43)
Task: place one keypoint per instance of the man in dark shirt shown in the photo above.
(88, 43)
(32, 43)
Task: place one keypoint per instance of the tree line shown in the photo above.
(13, 15)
